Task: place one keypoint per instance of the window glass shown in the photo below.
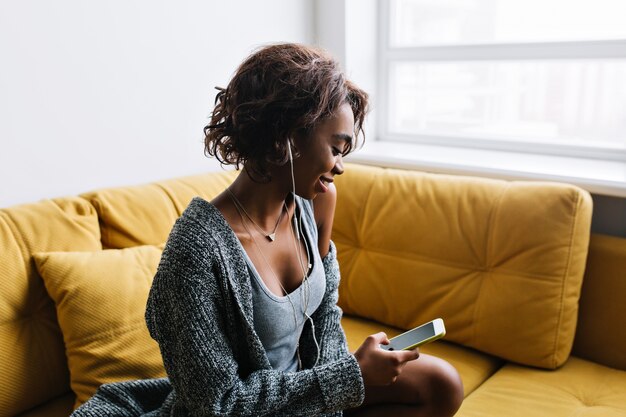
(442, 22)
(574, 102)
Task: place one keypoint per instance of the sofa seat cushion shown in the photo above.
(58, 407)
(101, 300)
(473, 366)
(580, 388)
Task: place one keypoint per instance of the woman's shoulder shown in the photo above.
(324, 212)
(203, 220)
(200, 231)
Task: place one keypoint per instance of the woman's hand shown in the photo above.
(378, 366)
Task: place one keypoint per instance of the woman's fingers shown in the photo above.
(408, 355)
(377, 339)
(379, 366)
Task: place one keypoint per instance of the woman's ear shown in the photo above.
(292, 144)
(298, 140)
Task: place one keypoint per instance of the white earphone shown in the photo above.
(297, 226)
(293, 187)
(289, 151)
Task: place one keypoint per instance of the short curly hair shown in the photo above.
(277, 92)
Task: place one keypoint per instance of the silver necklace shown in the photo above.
(283, 289)
(270, 236)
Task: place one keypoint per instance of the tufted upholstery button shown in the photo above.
(586, 403)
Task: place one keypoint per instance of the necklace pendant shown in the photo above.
(272, 237)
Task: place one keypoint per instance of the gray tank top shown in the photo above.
(274, 315)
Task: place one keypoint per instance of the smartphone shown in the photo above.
(418, 336)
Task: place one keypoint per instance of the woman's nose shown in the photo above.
(338, 168)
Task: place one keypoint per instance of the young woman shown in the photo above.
(243, 304)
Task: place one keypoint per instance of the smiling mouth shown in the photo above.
(323, 184)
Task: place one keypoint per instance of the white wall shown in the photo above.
(107, 93)
(349, 30)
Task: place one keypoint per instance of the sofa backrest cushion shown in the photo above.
(501, 262)
(32, 359)
(601, 332)
(145, 214)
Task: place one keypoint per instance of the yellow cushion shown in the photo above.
(601, 334)
(501, 262)
(101, 300)
(32, 358)
(473, 366)
(579, 388)
(145, 214)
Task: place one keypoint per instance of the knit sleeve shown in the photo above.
(327, 317)
(188, 313)
(330, 336)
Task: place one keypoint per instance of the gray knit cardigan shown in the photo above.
(200, 312)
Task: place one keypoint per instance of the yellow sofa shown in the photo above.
(501, 262)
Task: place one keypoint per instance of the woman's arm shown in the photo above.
(324, 211)
(327, 317)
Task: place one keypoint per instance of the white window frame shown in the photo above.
(480, 52)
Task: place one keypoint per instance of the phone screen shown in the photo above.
(412, 337)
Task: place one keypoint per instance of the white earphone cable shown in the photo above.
(306, 290)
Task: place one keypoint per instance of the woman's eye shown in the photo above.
(336, 151)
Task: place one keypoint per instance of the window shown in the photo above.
(543, 76)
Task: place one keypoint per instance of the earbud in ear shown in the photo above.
(289, 151)
(293, 188)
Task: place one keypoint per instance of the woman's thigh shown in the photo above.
(428, 382)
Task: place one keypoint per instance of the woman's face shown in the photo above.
(321, 153)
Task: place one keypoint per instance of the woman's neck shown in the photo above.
(262, 201)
